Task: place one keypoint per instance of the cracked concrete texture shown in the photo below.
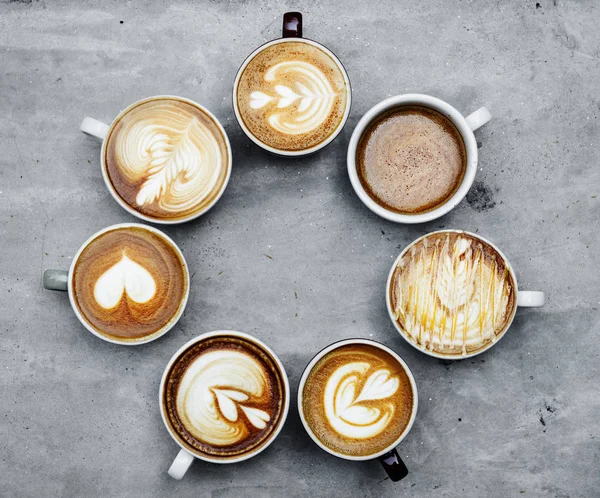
(290, 254)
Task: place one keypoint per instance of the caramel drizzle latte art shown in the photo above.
(452, 293)
(310, 90)
(168, 159)
(217, 396)
(350, 410)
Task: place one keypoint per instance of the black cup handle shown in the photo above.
(292, 25)
(393, 465)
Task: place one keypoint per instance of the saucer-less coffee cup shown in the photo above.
(453, 294)
(128, 284)
(358, 400)
(292, 96)
(224, 398)
(465, 126)
(164, 159)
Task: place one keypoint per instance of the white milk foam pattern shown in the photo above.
(312, 92)
(215, 390)
(353, 413)
(175, 156)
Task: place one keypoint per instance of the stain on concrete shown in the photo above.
(481, 197)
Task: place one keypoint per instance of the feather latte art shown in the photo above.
(167, 159)
(224, 396)
(357, 400)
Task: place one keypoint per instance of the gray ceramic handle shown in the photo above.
(56, 280)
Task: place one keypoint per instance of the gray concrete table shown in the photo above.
(291, 255)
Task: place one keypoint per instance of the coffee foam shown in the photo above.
(167, 159)
(128, 283)
(292, 96)
(357, 400)
(452, 293)
(411, 159)
(224, 396)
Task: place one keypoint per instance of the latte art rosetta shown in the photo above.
(216, 396)
(363, 413)
(452, 293)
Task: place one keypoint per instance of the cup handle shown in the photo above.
(477, 119)
(393, 465)
(531, 299)
(94, 128)
(292, 25)
(181, 464)
(57, 280)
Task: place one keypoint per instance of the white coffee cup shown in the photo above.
(525, 299)
(62, 280)
(466, 127)
(186, 455)
(100, 130)
(388, 456)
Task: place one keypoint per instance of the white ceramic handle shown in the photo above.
(94, 128)
(531, 299)
(478, 118)
(181, 464)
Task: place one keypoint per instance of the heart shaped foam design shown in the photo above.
(125, 276)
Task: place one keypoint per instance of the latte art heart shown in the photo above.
(127, 277)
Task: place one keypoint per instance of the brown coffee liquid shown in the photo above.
(357, 400)
(411, 159)
(129, 320)
(217, 374)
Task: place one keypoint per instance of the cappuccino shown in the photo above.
(452, 293)
(357, 400)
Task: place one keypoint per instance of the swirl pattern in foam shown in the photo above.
(292, 96)
(452, 293)
(167, 158)
(357, 400)
(224, 396)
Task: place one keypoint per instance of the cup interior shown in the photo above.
(152, 337)
(125, 205)
(327, 350)
(286, 389)
(434, 353)
(423, 101)
(292, 153)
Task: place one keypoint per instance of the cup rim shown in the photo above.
(449, 112)
(336, 345)
(163, 330)
(249, 338)
(139, 214)
(434, 353)
(292, 153)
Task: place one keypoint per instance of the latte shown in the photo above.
(292, 96)
(411, 159)
(224, 397)
(129, 283)
(452, 293)
(167, 159)
(357, 400)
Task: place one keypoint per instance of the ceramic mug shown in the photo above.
(100, 130)
(465, 125)
(292, 32)
(389, 457)
(526, 299)
(61, 280)
(187, 454)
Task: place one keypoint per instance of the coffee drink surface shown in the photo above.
(357, 400)
(452, 293)
(167, 159)
(411, 159)
(129, 283)
(224, 397)
(292, 96)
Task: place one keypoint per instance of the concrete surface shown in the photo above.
(290, 254)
